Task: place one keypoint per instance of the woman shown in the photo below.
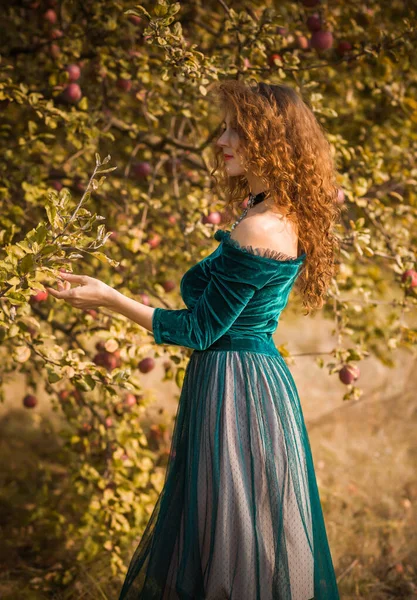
(239, 516)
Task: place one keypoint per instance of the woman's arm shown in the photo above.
(136, 311)
(93, 293)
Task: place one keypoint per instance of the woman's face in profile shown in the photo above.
(229, 142)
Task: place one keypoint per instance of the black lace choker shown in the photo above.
(255, 198)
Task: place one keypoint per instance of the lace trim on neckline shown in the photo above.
(263, 252)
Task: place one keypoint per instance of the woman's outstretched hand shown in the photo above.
(89, 293)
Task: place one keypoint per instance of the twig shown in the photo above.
(349, 568)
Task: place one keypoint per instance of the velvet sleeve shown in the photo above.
(235, 277)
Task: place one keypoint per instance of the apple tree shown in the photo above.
(106, 128)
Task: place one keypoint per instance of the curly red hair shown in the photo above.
(285, 145)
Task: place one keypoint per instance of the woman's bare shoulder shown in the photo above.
(268, 230)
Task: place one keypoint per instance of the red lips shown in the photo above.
(228, 156)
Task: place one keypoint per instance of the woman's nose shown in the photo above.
(222, 140)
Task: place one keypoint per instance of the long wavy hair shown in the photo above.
(282, 142)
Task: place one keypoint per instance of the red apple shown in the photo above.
(78, 184)
(130, 399)
(74, 72)
(172, 219)
(213, 217)
(72, 93)
(410, 273)
(54, 50)
(57, 185)
(39, 296)
(55, 34)
(114, 235)
(154, 240)
(135, 19)
(109, 422)
(321, 40)
(146, 364)
(144, 298)
(107, 360)
(30, 401)
(86, 428)
(134, 53)
(272, 58)
(63, 395)
(142, 169)
(314, 22)
(50, 16)
(100, 345)
(344, 47)
(349, 373)
(170, 164)
(124, 84)
(92, 312)
(302, 42)
(168, 285)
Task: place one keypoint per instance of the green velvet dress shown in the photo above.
(239, 516)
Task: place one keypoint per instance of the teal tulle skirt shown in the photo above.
(239, 516)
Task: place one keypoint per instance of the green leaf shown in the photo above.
(174, 8)
(139, 10)
(53, 376)
(41, 233)
(49, 249)
(82, 384)
(179, 376)
(83, 103)
(105, 259)
(16, 297)
(107, 170)
(27, 264)
(98, 160)
(89, 382)
(161, 10)
(13, 281)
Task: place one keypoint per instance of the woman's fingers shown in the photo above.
(72, 277)
(60, 294)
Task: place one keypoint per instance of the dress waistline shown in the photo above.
(228, 342)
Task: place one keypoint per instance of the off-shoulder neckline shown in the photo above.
(275, 255)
